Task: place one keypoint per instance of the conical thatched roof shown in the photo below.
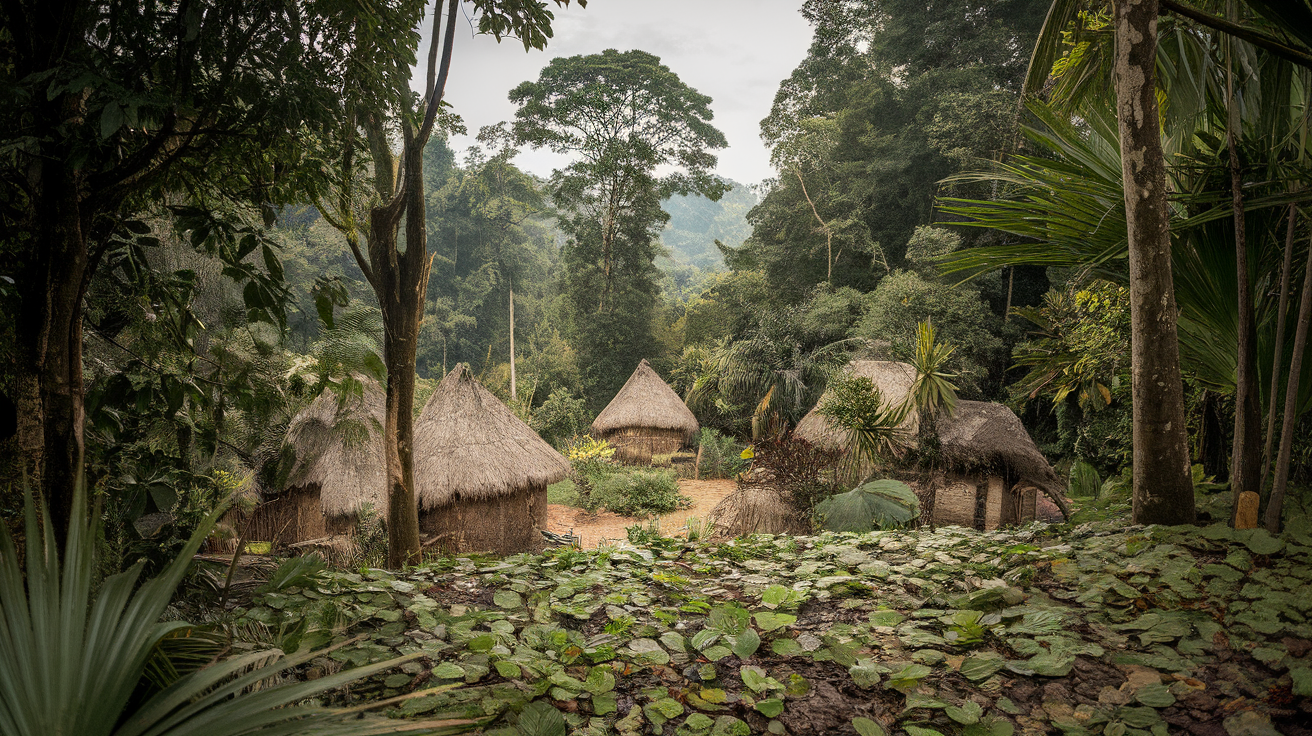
(469, 445)
(984, 435)
(894, 383)
(339, 448)
(646, 402)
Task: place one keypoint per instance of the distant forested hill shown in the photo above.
(696, 223)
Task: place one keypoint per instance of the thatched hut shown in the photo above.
(990, 468)
(894, 383)
(993, 470)
(645, 418)
(481, 474)
(338, 470)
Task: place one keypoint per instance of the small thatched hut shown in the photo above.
(645, 418)
(481, 474)
(338, 469)
(994, 469)
(991, 469)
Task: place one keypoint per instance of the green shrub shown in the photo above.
(563, 493)
(721, 456)
(590, 461)
(637, 492)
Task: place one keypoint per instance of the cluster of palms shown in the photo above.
(1234, 95)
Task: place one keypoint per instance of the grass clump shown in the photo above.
(564, 493)
(721, 456)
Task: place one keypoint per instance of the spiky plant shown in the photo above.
(72, 653)
(932, 393)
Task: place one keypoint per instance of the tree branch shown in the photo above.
(1251, 35)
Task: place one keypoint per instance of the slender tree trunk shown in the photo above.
(1276, 505)
(1246, 460)
(402, 283)
(513, 395)
(1274, 392)
(1011, 284)
(829, 235)
(1163, 487)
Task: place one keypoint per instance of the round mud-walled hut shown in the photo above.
(338, 469)
(645, 418)
(481, 474)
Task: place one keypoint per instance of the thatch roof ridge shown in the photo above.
(339, 448)
(469, 445)
(646, 401)
(893, 379)
(988, 435)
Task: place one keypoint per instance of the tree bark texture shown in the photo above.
(1163, 486)
(49, 326)
(52, 276)
(400, 280)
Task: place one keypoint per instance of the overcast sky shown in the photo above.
(735, 51)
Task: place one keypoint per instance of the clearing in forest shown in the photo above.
(596, 528)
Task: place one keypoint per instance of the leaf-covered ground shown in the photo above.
(1103, 628)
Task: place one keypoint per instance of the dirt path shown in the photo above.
(603, 525)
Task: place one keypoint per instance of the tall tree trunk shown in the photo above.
(1275, 506)
(1163, 487)
(1246, 460)
(1274, 392)
(401, 283)
(49, 327)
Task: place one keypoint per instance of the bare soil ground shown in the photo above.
(604, 525)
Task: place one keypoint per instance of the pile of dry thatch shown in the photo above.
(646, 402)
(338, 442)
(470, 446)
(755, 509)
(894, 383)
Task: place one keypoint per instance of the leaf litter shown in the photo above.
(1102, 628)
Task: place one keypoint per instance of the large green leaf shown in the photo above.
(879, 504)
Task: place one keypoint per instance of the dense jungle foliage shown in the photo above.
(216, 213)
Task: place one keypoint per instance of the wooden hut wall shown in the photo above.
(637, 445)
(504, 525)
(295, 516)
(981, 501)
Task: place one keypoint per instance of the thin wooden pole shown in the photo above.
(512, 344)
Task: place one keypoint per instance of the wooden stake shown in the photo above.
(1246, 513)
